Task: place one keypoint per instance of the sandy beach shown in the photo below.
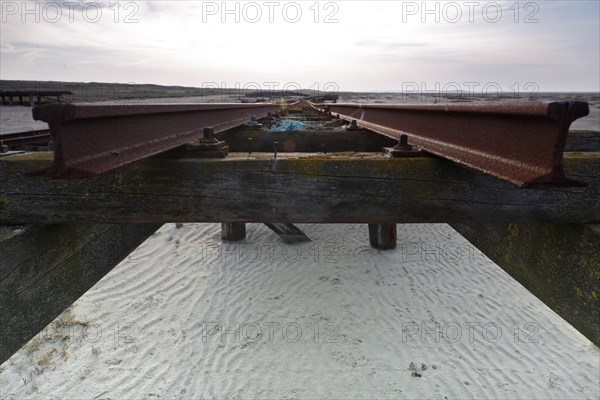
(185, 316)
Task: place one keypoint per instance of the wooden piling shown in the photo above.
(233, 231)
(382, 236)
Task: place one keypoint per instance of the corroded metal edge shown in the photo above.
(92, 139)
(520, 143)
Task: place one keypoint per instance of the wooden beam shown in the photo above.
(560, 264)
(45, 268)
(295, 188)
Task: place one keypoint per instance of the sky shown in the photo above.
(476, 46)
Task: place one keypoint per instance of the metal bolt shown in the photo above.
(403, 143)
(209, 133)
(253, 123)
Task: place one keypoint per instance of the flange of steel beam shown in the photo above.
(92, 139)
(21, 139)
(522, 143)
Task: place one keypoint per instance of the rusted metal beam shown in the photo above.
(18, 135)
(520, 143)
(19, 140)
(91, 139)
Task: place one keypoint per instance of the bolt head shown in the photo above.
(209, 133)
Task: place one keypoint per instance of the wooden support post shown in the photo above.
(559, 263)
(382, 236)
(11, 100)
(31, 100)
(233, 231)
(44, 269)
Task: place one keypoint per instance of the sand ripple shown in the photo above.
(186, 316)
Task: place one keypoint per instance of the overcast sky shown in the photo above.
(349, 45)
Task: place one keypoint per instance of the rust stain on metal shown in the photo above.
(520, 143)
(92, 139)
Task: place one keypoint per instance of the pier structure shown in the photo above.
(511, 178)
(32, 97)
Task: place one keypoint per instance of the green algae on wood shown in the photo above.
(559, 263)
(328, 188)
(46, 268)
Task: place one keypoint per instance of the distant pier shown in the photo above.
(33, 97)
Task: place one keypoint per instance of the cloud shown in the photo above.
(388, 45)
(370, 47)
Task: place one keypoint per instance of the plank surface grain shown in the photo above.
(295, 188)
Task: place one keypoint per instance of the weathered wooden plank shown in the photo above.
(295, 188)
(44, 269)
(560, 264)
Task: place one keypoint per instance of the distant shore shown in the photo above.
(18, 118)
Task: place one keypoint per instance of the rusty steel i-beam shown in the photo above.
(92, 139)
(522, 143)
(21, 139)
